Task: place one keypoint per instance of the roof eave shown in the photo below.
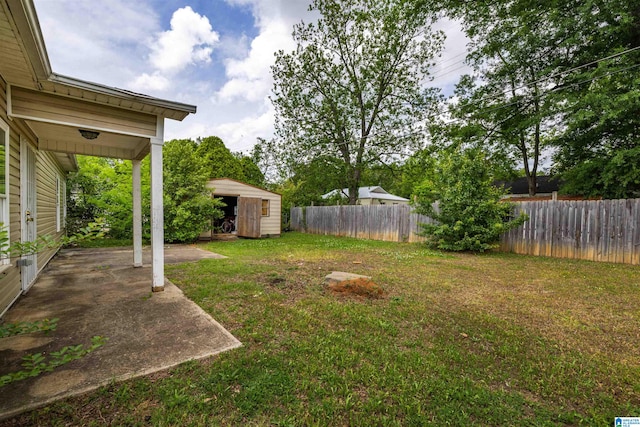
(183, 109)
(26, 20)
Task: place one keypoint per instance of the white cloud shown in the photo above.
(189, 41)
(95, 41)
(152, 82)
(250, 77)
(242, 135)
(450, 66)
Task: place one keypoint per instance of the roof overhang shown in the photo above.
(120, 98)
(57, 107)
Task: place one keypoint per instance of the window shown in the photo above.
(265, 207)
(4, 182)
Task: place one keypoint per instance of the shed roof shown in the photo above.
(213, 180)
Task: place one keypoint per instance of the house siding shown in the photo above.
(368, 202)
(10, 286)
(47, 169)
(57, 109)
(269, 225)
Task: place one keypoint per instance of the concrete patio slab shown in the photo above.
(97, 292)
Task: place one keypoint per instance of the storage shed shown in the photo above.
(253, 211)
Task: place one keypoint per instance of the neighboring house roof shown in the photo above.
(374, 192)
(545, 185)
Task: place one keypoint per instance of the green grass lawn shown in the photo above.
(494, 339)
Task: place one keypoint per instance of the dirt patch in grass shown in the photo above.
(360, 287)
(550, 342)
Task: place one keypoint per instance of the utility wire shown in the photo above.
(556, 74)
(498, 107)
(559, 88)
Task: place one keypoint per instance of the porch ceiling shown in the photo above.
(67, 139)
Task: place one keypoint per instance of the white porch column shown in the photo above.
(157, 214)
(137, 214)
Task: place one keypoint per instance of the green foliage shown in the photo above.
(413, 172)
(560, 75)
(470, 215)
(602, 108)
(354, 80)
(93, 230)
(251, 172)
(219, 161)
(611, 177)
(37, 363)
(103, 188)
(188, 205)
(11, 329)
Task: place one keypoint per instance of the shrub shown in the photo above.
(467, 208)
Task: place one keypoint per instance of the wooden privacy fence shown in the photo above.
(597, 230)
(600, 230)
(393, 223)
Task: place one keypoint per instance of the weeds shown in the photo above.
(495, 339)
(37, 363)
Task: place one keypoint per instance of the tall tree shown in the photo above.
(221, 163)
(354, 87)
(600, 146)
(188, 205)
(544, 75)
(504, 106)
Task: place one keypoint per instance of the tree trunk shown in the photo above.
(353, 187)
(532, 180)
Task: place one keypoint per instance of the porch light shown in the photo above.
(89, 134)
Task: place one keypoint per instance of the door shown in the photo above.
(28, 263)
(249, 216)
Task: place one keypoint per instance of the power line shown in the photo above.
(540, 80)
(498, 107)
(556, 89)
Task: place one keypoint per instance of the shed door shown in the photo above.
(28, 208)
(249, 216)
